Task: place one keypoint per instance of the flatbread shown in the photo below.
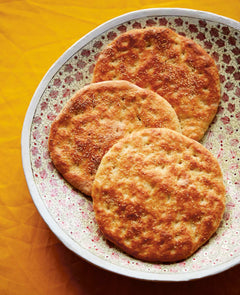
(158, 195)
(174, 66)
(94, 119)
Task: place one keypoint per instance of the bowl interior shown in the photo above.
(73, 211)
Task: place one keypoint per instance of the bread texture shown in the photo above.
(94, 119)
(158, 195)
(174, 66)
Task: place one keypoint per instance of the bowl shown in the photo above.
(69, 214)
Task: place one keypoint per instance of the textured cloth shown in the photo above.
(33, 34)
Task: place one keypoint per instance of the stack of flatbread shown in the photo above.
(130, 140)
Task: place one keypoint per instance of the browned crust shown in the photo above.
(158, 195)
(174, 66)
(94, 119)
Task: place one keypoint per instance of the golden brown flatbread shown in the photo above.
(158, 195)
(174, 66)
(94, 119)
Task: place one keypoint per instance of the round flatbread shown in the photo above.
(174, 66)
(158, 195)
(94, 119)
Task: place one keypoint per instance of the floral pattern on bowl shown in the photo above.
(73, 212)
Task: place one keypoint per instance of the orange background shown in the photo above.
(33, 34)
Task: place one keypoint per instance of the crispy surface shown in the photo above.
(173, 66)
(94, 119)
(158, 195)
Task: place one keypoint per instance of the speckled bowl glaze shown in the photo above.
(70, 214)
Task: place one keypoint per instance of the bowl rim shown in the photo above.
(25, 148)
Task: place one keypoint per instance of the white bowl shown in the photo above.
(69, 214)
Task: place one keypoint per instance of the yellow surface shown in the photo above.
(33, 34)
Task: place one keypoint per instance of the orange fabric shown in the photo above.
(33, 34)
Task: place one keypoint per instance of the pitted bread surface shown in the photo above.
(95, 118)
(174, 66)
(158, 195)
